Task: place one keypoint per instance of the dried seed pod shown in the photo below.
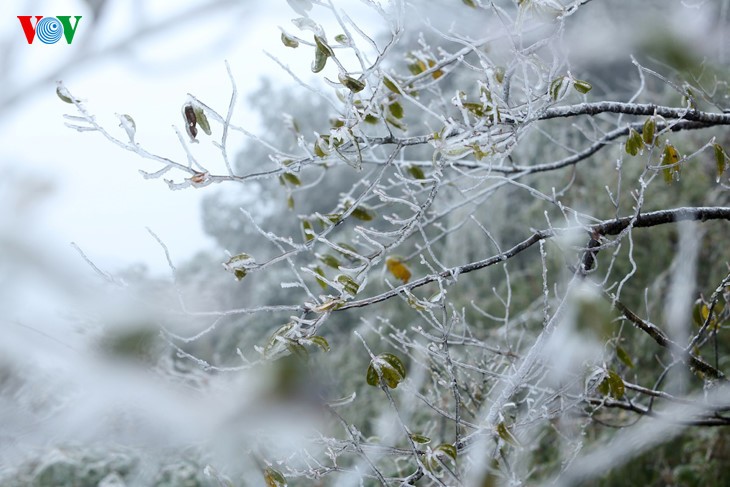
(190, 121)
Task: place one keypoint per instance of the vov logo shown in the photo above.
(49, 30)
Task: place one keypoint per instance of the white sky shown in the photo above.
(100, 201)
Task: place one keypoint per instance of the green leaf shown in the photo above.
(308, 230)
(721, 159)
(470, 3)
(604, 387)
(318, 270)
(62, 95)
(320, 341)
(648, 131)
(323, 46)
(476, 108)
(448, 449)
(363, 213)
(320, 149)
(698, 312)
(320, 60)
(416, 172)
(352, 84)
(624, 357)
(330, 260)
(633, 143)
(395, 122)
(396, 109)
(669, 158)
(391, 85)
(349, 247)
(615, 384)
(202, 119)
(239, 265)
(556, 88)
(506, 434)
(289, 41)
(499, 74)
(342, 39)
(292, 179)
(348, 283)
(582, 86)
(297, 349)
(274, 339)
(274, 478)
(420, 439)
(391, 368)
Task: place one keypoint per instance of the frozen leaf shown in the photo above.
(323, 46)
(363, 213)
(320, 341)
(308, 230)
(670, 158)
(274, 478)
(239, 265)
(721, 160)
(302, 7)
(297, 349)
(292, 179)
(330, 260)
(613, 384)
(416, 172)
(352, 84)
(396, 109)
(351, 287)
(289, 41)
(320, 148)
(448, 449)
(127, 123)
(391, 368)
(320, 60)
(420, 439)
(470, 3)
(190, 121)
(504, 433)
(202, 120)
(633, 143)
(624, 357)
(582, 86)
(342, 39)
(391, 85)
(318, 270)
(398, 269)
(648, 131)
(436, 74)
(556, 88)
(63, 94)
(305, 23)
(277, 338)
(499, 74)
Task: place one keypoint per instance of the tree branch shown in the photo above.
(608, 227)
(636, 109)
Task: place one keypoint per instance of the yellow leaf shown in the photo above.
(398, 269)
(670, 158)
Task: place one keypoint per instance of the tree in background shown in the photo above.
(487, 251)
